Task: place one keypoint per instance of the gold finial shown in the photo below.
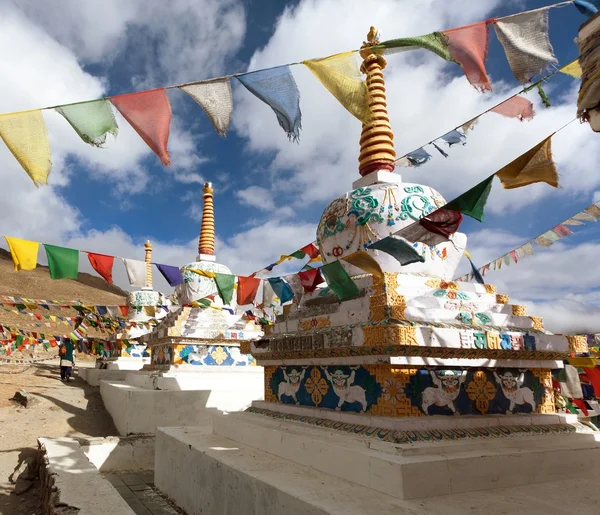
(206, 244)
(376, 140)
(148, 260)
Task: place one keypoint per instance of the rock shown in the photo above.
(22, 486)
(27, 469)
(24, 398)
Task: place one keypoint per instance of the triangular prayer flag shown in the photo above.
(172, 274)
(339, 281)
(277, 88)
(363, 260)
(573, 69)
(310, 250)
(396, 247)
(92, 121)
(542, 241)
(572, 221)
(136, 272)
(310, 279)
(506, 259)
(454, 138)
(434, 228)
(26, 137)
(282, 289)
(340, 74)
(587, 7)
(515, 107)
(584, 216)
(298, 254)
(526, 43)
(418, 157)
(476, 273)
(468, 46)
(535, 165)
(513, 255)
(103, 265)
(23, 252)
(62, 262)
(562, 230)
(247, 290)
(225, 284)
(435, 42)
(149, 113)
(594, 211)
(216, 100)
(551, 236)
(472, 202)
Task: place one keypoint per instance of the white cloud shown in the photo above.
(256, 196)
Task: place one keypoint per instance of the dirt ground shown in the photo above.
(73, 409)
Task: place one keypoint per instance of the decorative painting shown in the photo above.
(162, 354)
(135, 350)
(212, 355)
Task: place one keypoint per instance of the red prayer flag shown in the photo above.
(581, 405)
(515, 107)
(103, 265)
(310, 279)
(468, 46)
(310, 250)
(593, 375)
(247, 290)
(124, 310)
(513, 255)
(562, 230)
(444, 222)
(149, 113)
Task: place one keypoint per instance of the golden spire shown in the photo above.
(206, 245)
(376, 140)
(148, 260)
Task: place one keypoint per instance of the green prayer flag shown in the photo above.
(339, 281)
(91, 120)
(62, 262)
(19, 340)
(298, 254)
(225, 283)
(435, 42)
(472, 202)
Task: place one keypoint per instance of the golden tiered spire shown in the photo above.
(376, 140)
(148, 260)
(206, 245)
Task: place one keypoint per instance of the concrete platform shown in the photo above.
(93, 376)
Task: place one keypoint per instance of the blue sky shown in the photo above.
(271, 193)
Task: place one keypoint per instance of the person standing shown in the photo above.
(66, 353)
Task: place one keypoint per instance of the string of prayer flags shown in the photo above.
(136, 272)
(472, 202)
(225, 285)
(25, 136)
(216, 100)
(365, 262)
(339, 281)
(62, 262)
(434, 228)
(282, 289)
(149, 113)
(103, 265)
(310, 279)
(247, 290)
(396, 247)
(515, 107)
(277, 88)
(526, 43)
(172, 274)
(468, 46)
(340, 74)
(23, 252)
(92, 121)
(535, 165)
(594, 211)
(435, 42)
(587, 7)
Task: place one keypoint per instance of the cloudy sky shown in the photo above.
(270, 193)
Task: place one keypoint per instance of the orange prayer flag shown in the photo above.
(247, 290)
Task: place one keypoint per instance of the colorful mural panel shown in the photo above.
(212, 355)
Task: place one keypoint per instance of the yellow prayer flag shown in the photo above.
(582, 362)
(366, 262)
(25, 136)
(535, 165)
(203, 273)
(573, 69)
(467, 254)
(24, 253)
(340, 74)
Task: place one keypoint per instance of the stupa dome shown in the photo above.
(196, 286)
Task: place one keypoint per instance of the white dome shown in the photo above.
(196, 286)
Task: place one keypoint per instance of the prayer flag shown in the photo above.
(526, 43)
(515, 107)
(551, 236)
(528, 249)
(103, 265)
(310, 279)
(435, 42)
(25, 136)
(136, 272)
(513, 255)
(172, 274)
(298, 254)
(365, 262)
(149, 113)
(281, 289)
(587, 7)
(396, 247)
(562, 231)
(340, 74)
(594, 211)
(339, 281)
(92, 121)
(277, 88)
(215, 99)
(584, 216)
(23, 252)
(476, 273)
(535, 165)
(468, 46)
(439, 149)
(310, 250)
(468, 126)
(573, 69)
(434, 228)
(268, 295)
(62, 262)
(418, 157)
(296, 285)
(472, 202)
(247, 290)
(454, 137)
(542, 241)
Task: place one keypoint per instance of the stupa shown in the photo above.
(419, 386)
